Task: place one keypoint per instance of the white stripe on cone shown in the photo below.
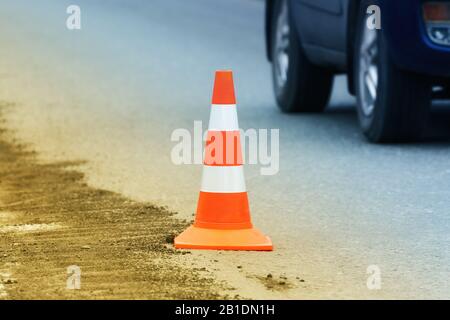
(223, 179)
(223, 118)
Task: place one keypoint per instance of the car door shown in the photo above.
(321, 25)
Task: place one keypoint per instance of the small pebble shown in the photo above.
(9, 281)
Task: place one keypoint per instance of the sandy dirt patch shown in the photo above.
(51, 219)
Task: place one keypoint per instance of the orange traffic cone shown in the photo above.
(223, 215)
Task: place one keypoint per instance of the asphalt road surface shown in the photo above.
(112, 93)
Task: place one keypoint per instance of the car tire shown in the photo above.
(395, 107)
(299, 85)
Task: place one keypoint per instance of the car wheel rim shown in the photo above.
(368, 70)
(282, 47)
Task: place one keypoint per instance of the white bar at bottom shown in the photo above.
(223, 179)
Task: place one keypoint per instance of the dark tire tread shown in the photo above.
(308, 87)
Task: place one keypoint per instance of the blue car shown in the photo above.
(395, 53)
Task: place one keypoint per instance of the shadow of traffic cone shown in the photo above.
(223, 216)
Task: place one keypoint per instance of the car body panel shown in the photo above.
(410, 46)
(324, 43)
(333, 7)
(325, 30)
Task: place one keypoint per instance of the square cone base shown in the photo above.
(214, 239)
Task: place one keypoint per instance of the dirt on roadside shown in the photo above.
(51, 219)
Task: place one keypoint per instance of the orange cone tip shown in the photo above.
(223, 92)
(223, 218)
